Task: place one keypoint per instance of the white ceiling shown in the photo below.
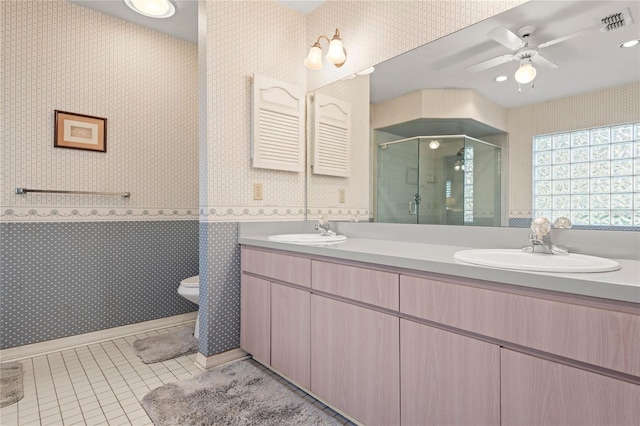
(184, 23)
(588, 62)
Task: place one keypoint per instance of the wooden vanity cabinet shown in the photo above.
(290, 338)
(536, 391)
(355, 360)
(388, 346)
(255, 317)
(447, 379)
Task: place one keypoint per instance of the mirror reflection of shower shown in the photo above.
(452, 179)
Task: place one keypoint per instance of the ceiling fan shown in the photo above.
(528, 53)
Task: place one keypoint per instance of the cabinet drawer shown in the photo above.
(277, 266)
(364, 285)
(596, 336)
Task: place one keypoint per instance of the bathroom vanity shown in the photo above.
(388, 337)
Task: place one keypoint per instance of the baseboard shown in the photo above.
(42, 348)
(206, 362)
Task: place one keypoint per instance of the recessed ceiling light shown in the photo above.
(630, 43)
(152, 8)
(502, 78)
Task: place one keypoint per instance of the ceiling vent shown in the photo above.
(616, 20)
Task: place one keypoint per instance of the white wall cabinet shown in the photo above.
(389, 346)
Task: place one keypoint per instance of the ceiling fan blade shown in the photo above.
(543, 62)
(506, 37)
(490, 63)
(569, 36)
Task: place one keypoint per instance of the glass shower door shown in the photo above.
(398, 195)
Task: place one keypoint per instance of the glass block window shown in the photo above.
(591, 176)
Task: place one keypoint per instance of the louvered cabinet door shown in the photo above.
(277, 125)
(331, 136)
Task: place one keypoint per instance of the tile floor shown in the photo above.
(102, 384)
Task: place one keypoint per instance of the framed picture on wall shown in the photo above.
(80, 131)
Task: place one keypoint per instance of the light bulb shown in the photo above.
(152, 8)
(526, 73)
(336, 54)
(314, 59)
(434, 144)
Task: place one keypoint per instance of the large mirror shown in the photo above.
(437, 139)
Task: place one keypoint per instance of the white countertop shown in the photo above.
(623, 284)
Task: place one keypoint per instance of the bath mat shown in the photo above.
(166, 346)
(11, 390)
(233, 394)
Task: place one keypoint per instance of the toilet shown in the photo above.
(190, 290)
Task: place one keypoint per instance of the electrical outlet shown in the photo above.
(257, 191)
(341, 195)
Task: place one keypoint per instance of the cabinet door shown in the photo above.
(541, 392)
(290, 340)
(447, 379)
(255, 319)
(355, 359)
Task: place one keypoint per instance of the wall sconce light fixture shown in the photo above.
(336, 54)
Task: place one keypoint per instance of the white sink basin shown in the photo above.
(308, 239)
(540, 262)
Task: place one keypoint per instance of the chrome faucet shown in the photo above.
(541, 236)
(324, 227)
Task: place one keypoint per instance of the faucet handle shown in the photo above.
(541, 226)
(562, 222)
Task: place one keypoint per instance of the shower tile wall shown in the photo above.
(74, 264)
(63, 279)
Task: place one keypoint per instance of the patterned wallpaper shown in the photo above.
(58, 55)
(243, 38)
(67, 278)
(373, 31)
(599, 108)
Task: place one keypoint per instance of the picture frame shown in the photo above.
(411, 176)
(80, 131)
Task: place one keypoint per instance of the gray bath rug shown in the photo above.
(11, 390)
(233, 394)
(166, 346)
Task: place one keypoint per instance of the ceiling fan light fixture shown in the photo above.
(526, 73)
(152, 8)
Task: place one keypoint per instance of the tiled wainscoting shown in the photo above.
(63, 279)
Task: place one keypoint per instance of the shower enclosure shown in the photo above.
(452, 180)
